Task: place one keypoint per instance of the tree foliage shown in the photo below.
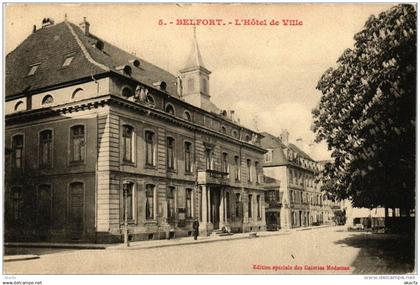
(367, 114)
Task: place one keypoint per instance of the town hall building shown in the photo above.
(96, 137)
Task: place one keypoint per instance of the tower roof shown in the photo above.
(194, 57)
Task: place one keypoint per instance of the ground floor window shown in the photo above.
(150, 201)
(188, 208)
(17, 204)
(170, 198)
(128, 201)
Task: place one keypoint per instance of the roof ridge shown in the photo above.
(84, 49)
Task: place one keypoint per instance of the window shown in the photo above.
(188, 206)
(19, 106)
(128, 143)
(77, 143)
(170, 200)
(247, 138)
(17, 148)
(48, 99)
(150, 194)
(235, 134)
(238, 205)
(190, 84)
(258, 206)
(269, 156)
(170, 153)
(45, 149)
(170, 109)
(33, 69)
(249, 206)
(209, 159)
(17, 205)
(204, 85)
(188, 157)
(128, 201)
(225, 165)
(187, 116)
(150, 100)
(237, 168)
(228, 205)
(68, 61)
(44, 205)
(150, 148)
(223, 130)
(249, 171)
(256, 166)
(76, 92)
(127, 92)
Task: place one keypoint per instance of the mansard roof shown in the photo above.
(49, 46)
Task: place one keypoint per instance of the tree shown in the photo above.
(367, 114)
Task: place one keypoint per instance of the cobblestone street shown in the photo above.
(295, 252)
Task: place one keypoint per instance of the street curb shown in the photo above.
(54, 245)
(122, 247)
(12, 258)
(142, 245)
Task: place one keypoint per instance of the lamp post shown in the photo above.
(125, 193)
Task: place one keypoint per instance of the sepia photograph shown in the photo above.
(196, 138)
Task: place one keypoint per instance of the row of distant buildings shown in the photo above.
(98, 139)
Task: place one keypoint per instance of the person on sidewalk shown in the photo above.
(195, 227)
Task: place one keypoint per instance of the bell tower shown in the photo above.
(195, 78)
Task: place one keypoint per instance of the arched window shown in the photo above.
(170, 198)
(187, 116)
(223, 130)
(19, 106)
(247, 138)
(235, 134)
(188, 203)
(45, 149)
(17, 205)
(170, 109)
(77, 92)
(76, 206)
(44, 205)
(48, 99)
(150, 100)
(150, 148)
(17, 152)
(128, 143)
(150, 201)
(77, 144)
(128, 201)
(170, 153)
(127, 92)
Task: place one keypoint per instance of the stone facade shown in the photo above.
(109, 148)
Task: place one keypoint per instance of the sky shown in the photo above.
(266, 73)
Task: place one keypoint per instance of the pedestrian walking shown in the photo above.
(195, 227)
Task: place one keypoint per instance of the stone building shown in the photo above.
(96, 136)
(293, 196)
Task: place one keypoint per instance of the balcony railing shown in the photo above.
(211, 176)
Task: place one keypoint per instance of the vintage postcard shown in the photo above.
(192, 138)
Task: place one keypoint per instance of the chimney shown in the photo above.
(34, 29)
(84, 26)
(47, 22)
(284, 137)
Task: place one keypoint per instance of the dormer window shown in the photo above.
(126, 92)
(187, 116)
(33, 69)
(48, 99)
(170, 109)
(67, 61)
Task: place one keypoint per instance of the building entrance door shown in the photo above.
(76, 211)
(214, 207)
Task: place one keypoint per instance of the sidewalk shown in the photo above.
(161, 243)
